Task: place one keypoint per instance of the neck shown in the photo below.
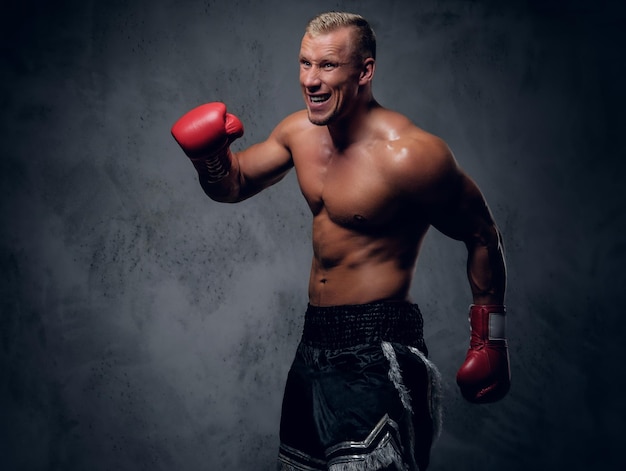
(349, 129)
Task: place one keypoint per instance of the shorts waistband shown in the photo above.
(337, 327)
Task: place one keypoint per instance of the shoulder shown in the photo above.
(296, 131)
(418, 160)
(293, 124)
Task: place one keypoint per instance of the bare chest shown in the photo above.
(354, 190)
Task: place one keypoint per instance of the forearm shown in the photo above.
(485, 375)
(486, 269)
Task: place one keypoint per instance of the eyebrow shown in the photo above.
(332, 58)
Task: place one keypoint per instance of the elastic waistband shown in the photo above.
(337, 327)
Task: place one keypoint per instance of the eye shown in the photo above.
(305, 64)
(329, 66)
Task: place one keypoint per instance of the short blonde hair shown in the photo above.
(333, 20)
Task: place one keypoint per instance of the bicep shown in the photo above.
(459, 210)
(263, 164)
(467, 218)
(448, 198)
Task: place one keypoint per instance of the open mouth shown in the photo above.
(319, 98)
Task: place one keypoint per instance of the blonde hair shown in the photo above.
(334, 20)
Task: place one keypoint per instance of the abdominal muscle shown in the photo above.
(352, 266)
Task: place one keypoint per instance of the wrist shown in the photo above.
(488, 321)
(214, 167)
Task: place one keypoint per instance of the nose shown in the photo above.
(310, 78)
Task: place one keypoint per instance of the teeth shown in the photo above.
(319, 99)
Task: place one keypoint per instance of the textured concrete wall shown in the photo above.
(146, 327)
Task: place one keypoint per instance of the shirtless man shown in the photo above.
(361, 393)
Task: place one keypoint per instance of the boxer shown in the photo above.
(361, 393)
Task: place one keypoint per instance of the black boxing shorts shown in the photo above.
(361, 393)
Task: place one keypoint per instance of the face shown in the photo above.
(329, 75)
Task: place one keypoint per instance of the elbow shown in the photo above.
(486, 236)
(222, 192)
(223, 199)
(228, 197)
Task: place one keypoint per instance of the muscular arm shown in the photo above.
(205, 133)
(251, 171)
(457, 208)
(465, 216)
(485, 374)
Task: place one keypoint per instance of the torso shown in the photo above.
(367, 226)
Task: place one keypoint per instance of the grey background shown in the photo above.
(146, 327)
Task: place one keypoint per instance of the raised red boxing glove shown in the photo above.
(485, 375)
(205, 134)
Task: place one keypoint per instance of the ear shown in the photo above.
(367, 71)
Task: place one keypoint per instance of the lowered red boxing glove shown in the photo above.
(205, 134)
(485, 375)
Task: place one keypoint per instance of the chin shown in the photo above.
(319, 120)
